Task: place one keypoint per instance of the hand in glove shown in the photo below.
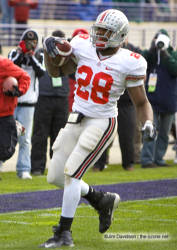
(14, 92)
(27, 47)
(22, 47)
(52, 49)
(149, 131)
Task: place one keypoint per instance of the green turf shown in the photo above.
(113, 174)
(136, 218)
(27, 229)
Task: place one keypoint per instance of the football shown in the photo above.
(65, 51)
(64, 48)
(8, 83)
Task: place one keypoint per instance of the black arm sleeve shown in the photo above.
(37, 66)
(16, 57)
(170, 60)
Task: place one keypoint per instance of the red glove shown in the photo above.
(22, 45)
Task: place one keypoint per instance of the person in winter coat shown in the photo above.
(24, 56)
(8, 102)
(161, 88)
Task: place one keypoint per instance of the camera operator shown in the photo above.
(161, 87)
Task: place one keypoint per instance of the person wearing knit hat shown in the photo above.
(29, 34)
(24, 56)
(163, 31)
(28, 41)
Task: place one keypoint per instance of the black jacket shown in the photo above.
(164, 98)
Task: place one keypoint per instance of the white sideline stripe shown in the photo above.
(94, 217)
(151, 199)
(15, 222)
(146, 219)
(160, 205)
(32, 223)
(130, 210)
(35, 210)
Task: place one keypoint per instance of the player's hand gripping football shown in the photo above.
(149, 131)
(57, 46)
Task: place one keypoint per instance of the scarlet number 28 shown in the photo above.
(96, 88)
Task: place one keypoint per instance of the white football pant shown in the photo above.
(78, 146)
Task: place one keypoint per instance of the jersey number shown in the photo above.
(96, 86)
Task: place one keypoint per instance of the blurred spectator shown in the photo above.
(175, 146)
(7, 20)
(161, 87)
(173, 132)
(126, 130)
(7, 13)
(51, 113)
(9, 91)
(24, 57)
(127, 122)
(21, 13)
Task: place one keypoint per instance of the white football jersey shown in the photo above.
(101, 82)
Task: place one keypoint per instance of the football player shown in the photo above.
(103, 71)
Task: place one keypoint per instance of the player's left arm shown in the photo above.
(144, 111)
(142, 105)
(135, 85)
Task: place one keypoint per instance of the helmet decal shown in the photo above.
(103, 16)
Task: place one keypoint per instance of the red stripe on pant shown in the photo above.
(104, 139)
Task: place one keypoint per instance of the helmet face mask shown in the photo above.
(100, 39)
(116, 25)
